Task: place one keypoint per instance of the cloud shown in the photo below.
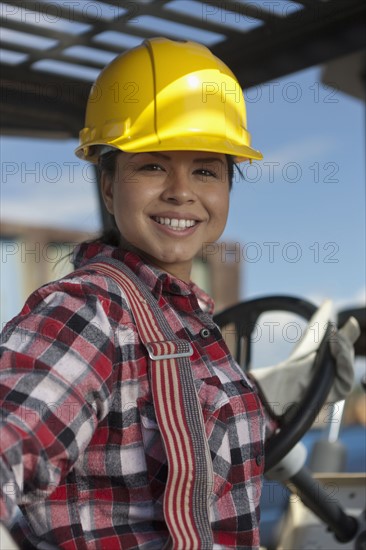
(353, 299)
(63, 205)
(59, 213)
(308, 148)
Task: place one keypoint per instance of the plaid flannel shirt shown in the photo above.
(80, 449)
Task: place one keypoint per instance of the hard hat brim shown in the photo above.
(240, 153)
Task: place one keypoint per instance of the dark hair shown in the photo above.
(107, 165)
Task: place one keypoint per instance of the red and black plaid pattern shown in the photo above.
(80, 447)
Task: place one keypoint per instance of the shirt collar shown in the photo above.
(159, 282)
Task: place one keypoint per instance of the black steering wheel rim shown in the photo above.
(298, 419)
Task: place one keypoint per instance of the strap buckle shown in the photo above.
(169, 349)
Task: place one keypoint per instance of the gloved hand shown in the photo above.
(284, 384)
(6, 540)
(341, 347)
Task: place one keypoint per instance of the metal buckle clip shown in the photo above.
(151, 349)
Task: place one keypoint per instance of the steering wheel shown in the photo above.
(296, 420)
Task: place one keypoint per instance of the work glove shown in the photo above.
(6, 540)
(285, 383)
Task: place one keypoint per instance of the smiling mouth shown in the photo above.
(174, 223)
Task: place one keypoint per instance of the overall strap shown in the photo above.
(178, 414)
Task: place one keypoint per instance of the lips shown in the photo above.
(175, 223)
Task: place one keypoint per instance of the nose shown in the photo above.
(178, 188)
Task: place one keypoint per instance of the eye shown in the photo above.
(205, 172)
(151, 167)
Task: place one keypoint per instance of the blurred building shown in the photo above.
(30, 257)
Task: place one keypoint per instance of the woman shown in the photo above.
(86, 447)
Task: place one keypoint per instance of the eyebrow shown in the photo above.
(153, 153)
(167, 157)
(209, 159)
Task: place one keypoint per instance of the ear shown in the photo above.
(107, 191)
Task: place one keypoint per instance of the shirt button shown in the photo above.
(205, 333)
(258, 460)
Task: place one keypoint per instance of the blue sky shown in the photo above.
(298, 218)
(311, 191)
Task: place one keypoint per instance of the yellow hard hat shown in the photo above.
(166, 95)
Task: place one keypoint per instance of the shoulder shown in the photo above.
(83, 293)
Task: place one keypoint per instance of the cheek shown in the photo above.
(124, 198)
(130, 202)
(121, 205)
(220, 208)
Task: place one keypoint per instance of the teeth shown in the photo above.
(174, 223)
